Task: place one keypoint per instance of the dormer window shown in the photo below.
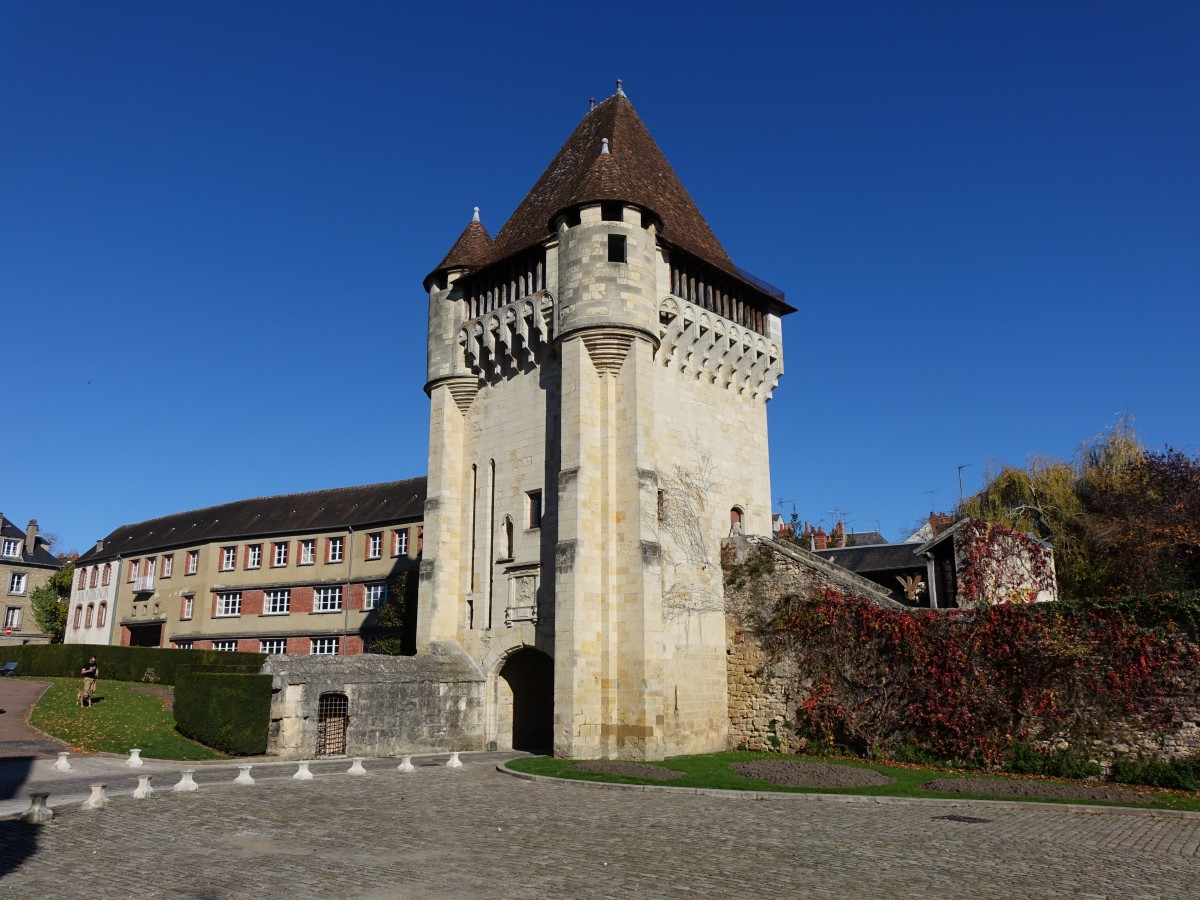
(611, 212)
(616, 248)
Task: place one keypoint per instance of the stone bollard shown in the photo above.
(135, 758)
(61, 763)
(302, 773)
(186, 783)
(454, 762)
(244, 775)
(143, 791)
(98, 800)
(406, 764)
(356, 768)
(38, 813)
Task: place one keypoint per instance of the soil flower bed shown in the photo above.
(1019, 789)
(626, 770)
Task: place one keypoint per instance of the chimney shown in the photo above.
(839, 535)
(31, 533)
(820, 540)
(99, 546)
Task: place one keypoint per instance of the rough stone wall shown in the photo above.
(763, 690)
(397, 704)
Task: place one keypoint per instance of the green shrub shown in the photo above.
(1069, 763)
(118, 663)
(1179, 774)
(228, 710)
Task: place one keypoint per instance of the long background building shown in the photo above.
(299, 573)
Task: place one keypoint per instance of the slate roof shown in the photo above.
(633, 171)
(874, 558)
(41, 555)
(472, 250)
(359, 506)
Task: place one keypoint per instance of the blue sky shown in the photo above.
(215, 219)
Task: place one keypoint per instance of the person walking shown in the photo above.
(90, 673)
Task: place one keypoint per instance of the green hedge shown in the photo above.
(119, 663)
(227, 710)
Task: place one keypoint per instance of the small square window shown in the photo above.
(611, 212)
(616, 248)
(277, 603)
(324, 647)
(374, 596)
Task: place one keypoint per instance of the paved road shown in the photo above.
(477, 833)
(17, 739)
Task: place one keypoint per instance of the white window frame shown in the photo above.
(168, 565)
(273, 646)
(225, 646)
(18, 582)
(335, 550)
(183, 645)
(193, 562)
(229, 605)
(327, 599)
(189, 606)
(279, 555)
(308, 552)
(254, 556)
(375, 545)
(277, 602)
(401, 543)
(374, 595)
(228, 559)
(12, 548)
(12, 618)
(324, 647)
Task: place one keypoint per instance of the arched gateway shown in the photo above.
(523, 702)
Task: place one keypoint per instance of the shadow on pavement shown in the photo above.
(18, 842)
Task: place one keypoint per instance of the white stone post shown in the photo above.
(61, 763)
(454, 762)
(98, 799)
(244, 775)
(143, 790)
(38, 813)
(406, 765)
(135, 758)
(186, 783)
(302, 773)
(356, 768)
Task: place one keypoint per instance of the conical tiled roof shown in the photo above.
(634, 171)
(472, 249)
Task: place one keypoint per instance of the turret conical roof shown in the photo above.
(633, 170)
(472, 249)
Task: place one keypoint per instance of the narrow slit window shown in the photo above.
(616, 248)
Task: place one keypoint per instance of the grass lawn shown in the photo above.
(715, 771)
(119, 719)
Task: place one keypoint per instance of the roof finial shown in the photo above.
(604, 146)
(620, 90)
(591, 103)
(475, 215)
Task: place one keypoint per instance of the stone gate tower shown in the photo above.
(599, 374)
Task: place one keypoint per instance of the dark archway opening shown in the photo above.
(530, 676)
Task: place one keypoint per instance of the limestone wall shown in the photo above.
(397, 704)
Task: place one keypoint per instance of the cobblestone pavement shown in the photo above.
(474, 832)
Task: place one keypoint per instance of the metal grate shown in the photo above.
(332, 720)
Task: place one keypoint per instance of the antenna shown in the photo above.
(931, 493)
(961, 466)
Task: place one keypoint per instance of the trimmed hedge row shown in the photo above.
(119, 663)
(229, 710)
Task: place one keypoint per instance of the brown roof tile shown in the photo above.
(472, 249)
(635, 171)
